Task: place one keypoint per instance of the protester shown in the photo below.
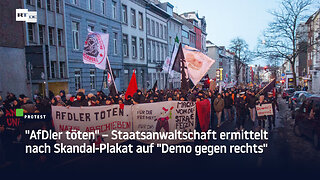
(218, 107)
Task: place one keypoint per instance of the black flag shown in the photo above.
(269, 87)
(155, 86)
(180, 66)
(110, 80)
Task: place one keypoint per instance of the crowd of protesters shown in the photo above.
(234, 104)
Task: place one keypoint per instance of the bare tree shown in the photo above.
(281, 37)
(242, 54)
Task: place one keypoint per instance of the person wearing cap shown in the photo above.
(218, 107)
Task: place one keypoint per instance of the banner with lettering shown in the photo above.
(90, 119)
(169, 116)
(264, 110)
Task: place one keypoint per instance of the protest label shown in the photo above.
(167, 116)
(264, 110)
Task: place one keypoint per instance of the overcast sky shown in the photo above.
(227, 19)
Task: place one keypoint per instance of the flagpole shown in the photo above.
(264, 87)
(112, 76)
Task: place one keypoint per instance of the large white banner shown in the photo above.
(95, 49)
(197, 63)
(89, 119)
(164, 117)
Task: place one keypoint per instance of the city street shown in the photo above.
(285, 151)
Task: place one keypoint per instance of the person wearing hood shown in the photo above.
(116, 99)
(128, 101)
(80, 100)
(138, 97)
(63, 96)
(108, 101)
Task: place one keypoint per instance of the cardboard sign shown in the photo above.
(264, 110)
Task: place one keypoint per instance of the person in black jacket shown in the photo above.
(80, 101)
(228, 102)
(252, 102)
(241, 111)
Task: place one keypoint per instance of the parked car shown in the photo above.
(287, 93)
(307, 121)
(293, 99)
(298, 102)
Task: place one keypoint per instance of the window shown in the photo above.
(49, 5)
(134, 47)
(62, 69)
(154, 51)
(74, 1)
(161, 31)
(148, 26)
(133, 18)
(104, 31)
(114, 10)
(141, 48)
(51, 36)
(90, 27)
(103, 6)
(161, 52)
(140, 16)
(53, 69)
(105, 79)
(77, 77)
(31, 32)
(142, 78)
(92, 78)
(157, 29)
(30, 2)
(124, 14)
(41, 34)
(90, 4)
(39, 3)
(58, 6)
(115, 43)
(158, 52)
(75, 35)
(153, 28)
(149, 51)
(125, 45)
(126, 77)
(165, 32)
(60, 37)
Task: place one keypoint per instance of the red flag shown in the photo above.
(203, 111)
(133, 86)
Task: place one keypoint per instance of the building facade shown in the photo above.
(99, 16)
(313, 53)
(12, 48)
(157, 44)
(133, 19)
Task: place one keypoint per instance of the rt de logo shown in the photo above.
(26, 15)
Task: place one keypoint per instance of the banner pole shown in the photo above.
(112, 75)
(264, 87)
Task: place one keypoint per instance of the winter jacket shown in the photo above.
(252, 101)
(228, 102)
(218, 104)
